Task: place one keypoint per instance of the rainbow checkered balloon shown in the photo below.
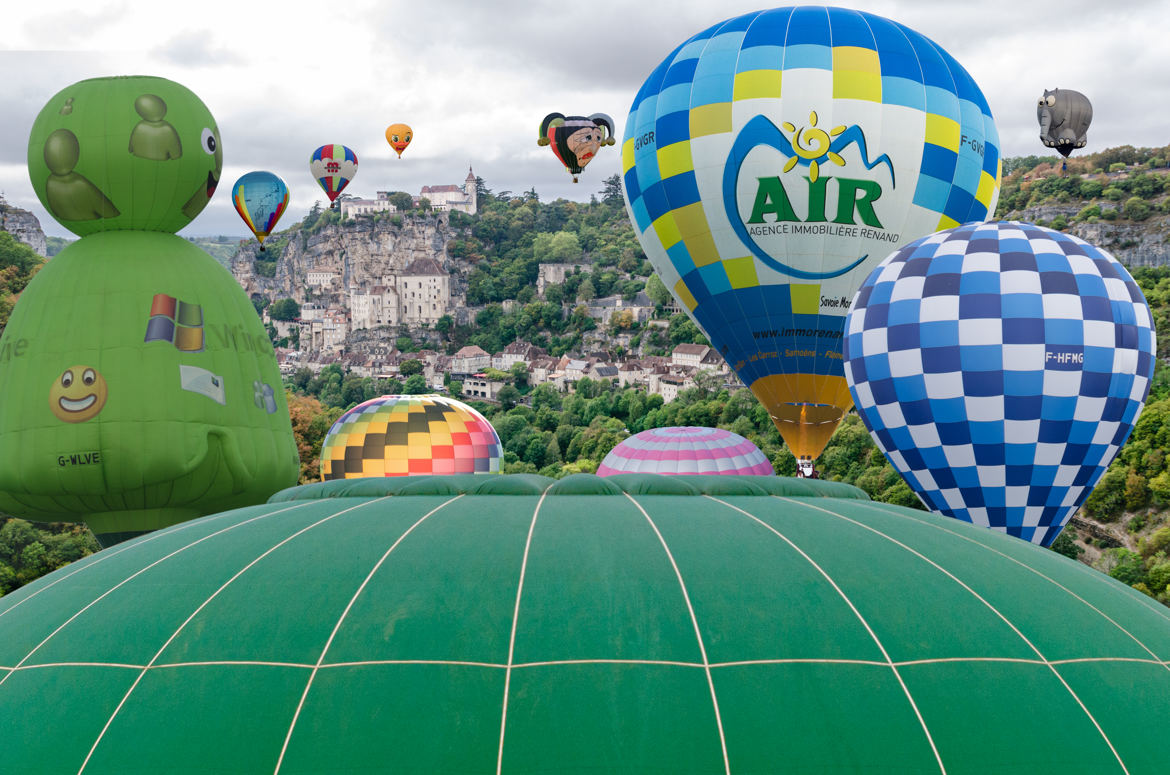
(772, 160)
(406, 435)
(686, 450)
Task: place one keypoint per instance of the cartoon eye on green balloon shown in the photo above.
(96, 142)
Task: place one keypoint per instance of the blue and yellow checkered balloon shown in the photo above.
(771, 161)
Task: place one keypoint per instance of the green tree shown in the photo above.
(1066, 544)
(564, 248)
(1107, 500)
(657, 291)
(611, 191)
(29, 551)
(508, 397)
(18, 264)
(284, 309)
(402, 201)
(415, 385)
(1136, 209)
(586, 291)
(519, 375)
(410, 367)
(1137, 494)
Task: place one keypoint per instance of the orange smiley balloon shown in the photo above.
(399, 136)
(78, 394)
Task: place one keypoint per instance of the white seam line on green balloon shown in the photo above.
(128, 579)
(512, 636)
(993, 609)
(1146, 601)
(100, 556)
(206, 602)
(337, 627)
(698, 633)
(877, 641)
(553, 663)
(49, 665)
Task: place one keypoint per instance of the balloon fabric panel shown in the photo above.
(772, 160)
(1000, 367)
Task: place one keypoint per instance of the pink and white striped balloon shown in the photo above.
(686, 450)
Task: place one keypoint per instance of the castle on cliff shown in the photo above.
(448, 197)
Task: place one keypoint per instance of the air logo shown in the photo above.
(772, 212)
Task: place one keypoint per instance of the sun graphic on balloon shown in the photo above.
(812, 144)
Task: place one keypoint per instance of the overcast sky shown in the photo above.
(475, 77)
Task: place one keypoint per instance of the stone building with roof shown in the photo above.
(424, 292)
(450, 197)
(418, 295)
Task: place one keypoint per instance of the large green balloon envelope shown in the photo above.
(139, 389)
(129, 152)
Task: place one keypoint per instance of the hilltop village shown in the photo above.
(383, 275)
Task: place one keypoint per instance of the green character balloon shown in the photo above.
(139, 387)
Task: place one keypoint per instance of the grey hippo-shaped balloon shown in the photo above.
(1064, 117)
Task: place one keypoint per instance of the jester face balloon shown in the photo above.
(771, 161)
(133, 152)
(137, 385)
(576, 139)
(1000, 367)
(260, 198)
(399, 136)
(406, 435)
(333, 166)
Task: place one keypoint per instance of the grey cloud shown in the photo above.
(195, 49)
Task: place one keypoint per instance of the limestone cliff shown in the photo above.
(22, 225)
(1133, 243)
(358, 251)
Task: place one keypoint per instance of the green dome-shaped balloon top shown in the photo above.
(127, 152)
(632, 624)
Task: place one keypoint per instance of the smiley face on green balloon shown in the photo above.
(125, 153)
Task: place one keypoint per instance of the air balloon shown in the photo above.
(1000, 367)
(334, 167)
(404, 435)
(138, 388)
(686, 450)
(1064, 117)
(576, 139)
(764, 210)
(399, 136)
(260, 199)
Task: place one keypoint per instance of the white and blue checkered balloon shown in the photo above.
(1000, 367)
